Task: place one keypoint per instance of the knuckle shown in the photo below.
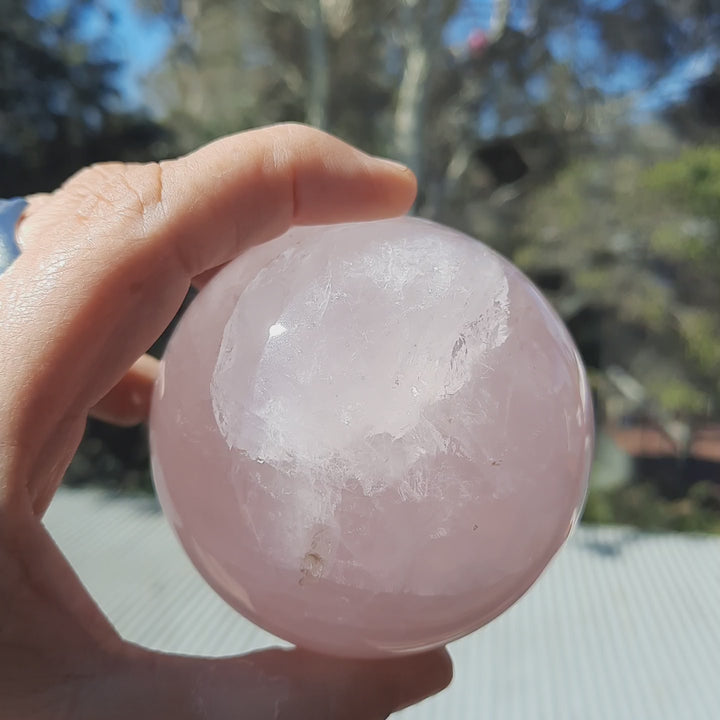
(295, 127)
(111, 192)
(300, 135)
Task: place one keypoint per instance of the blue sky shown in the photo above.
(584, 48)
(140, 41)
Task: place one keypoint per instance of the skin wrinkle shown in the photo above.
(130, 194)
(104, 196)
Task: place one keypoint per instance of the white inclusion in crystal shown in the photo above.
(382, 340)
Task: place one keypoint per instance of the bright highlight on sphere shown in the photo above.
(371, 438)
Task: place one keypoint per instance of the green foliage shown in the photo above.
(690, 182)
(637, 240)
(699, 328)
(675, 242)
(642, 506)
(679, 398)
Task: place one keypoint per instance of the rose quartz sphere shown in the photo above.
(371, 438)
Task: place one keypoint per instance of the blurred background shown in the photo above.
(580, 138)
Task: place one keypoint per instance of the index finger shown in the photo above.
(107, 262)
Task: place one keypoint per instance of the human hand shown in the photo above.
(106, 262)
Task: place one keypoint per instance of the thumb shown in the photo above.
(277, 684)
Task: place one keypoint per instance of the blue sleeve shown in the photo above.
(10, 211)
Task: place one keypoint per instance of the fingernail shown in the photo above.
(393, 164)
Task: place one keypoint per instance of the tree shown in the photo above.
(59, 108)
(520, 135)
(525, 125)
(636, 240)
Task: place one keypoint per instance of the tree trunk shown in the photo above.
(426, 21)
(462, 154)
(499, 19)
(318, 96)
(409, 114)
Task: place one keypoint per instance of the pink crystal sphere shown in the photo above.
(371, 438)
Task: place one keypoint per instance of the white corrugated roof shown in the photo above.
(623, 626)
